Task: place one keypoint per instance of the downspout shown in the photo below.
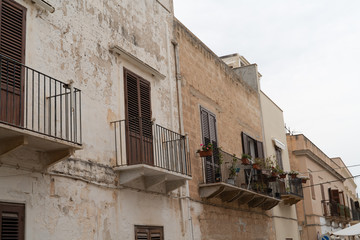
(181, 128)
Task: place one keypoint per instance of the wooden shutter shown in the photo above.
(12, 45)
(260, 150)
(334, 195)
(209, 133)
(245, 143)
(149, 233)
(138, 115)
(12, 218)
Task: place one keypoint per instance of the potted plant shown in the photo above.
(206, 150)
(304, 179)
(245, 159)
(274, 171)
(258, 163)
(282, 173)
(218, 170)
(293, 174)
(232, 171)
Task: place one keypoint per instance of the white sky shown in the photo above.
(308, 53)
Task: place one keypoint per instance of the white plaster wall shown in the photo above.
(63, 208)
(73, 44)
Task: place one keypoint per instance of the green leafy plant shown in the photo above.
(246, 156)
(232, 168)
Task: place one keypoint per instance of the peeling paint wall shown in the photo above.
(79, 198)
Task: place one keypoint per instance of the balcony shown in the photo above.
(37, 113)
(250, 186)
(292, 191)
(335, 211)
(156, 161)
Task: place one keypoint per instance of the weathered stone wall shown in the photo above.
(208, 82)
(79, 198)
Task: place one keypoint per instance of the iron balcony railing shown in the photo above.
(157, 146)
(295, 187)
(39, 103)
(335, 210)
(246, 177)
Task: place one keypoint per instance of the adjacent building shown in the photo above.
(330, 199)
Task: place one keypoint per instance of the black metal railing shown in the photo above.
(158, 147)
(335, 210)
(246, 176)
(39, 103)
(295, 187)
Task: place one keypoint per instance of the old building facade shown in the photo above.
(330, 199)
(89, 130)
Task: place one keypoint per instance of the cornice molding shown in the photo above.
(319, 161)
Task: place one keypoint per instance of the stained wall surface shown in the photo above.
(206, 81)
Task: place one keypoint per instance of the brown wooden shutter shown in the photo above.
(335, 196)
(138, 115)
(12, 46)
(149, 233)
(209, 133)
(260, 149)
(12, 217)
(245, 143)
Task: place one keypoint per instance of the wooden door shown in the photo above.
(12, 55)
(138, 125)
(209, 134)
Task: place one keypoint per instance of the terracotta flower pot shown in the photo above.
(274, 174)
(303, 180)
(256, 166)
(207, 153)
(282, 175)
(293, 175)
(245, 161)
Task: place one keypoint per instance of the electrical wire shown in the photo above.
(356, 165)
(331, 181)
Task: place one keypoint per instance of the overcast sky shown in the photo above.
(308, 53)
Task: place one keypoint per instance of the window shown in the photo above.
(252, 147)
(138, 119)
(149, 233)
(12, 46)
(12, 221)
(209, 134)
(279, 161)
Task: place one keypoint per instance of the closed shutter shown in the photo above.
(209, 133)
(245, 143)
(260, 150)
(138, 115)
(12, 45)
(335, 196)
(12, 221)
(149, 233)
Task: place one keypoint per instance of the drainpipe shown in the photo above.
(181, 128)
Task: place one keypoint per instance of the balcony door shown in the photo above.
(12, 55)
(209, 134)
(138, 120)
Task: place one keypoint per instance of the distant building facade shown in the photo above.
(330, 199)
